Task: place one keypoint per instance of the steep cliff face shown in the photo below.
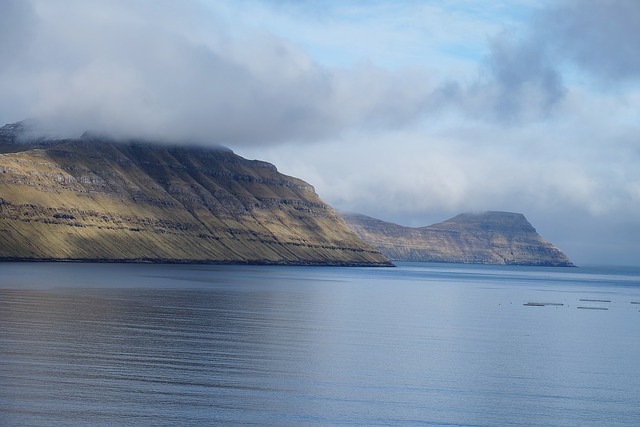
(484, 238)
(95, 199)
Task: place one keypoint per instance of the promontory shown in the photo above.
(95, 199)
(475, 238)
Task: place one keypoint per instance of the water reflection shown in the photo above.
(184, 345)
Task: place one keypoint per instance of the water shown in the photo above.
(421, 344)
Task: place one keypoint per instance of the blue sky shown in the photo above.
(390, 34)
(409, 111)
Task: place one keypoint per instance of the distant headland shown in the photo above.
(476, 238)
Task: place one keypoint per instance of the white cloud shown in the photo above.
(110, 68)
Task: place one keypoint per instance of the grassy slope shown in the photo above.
(88, 199)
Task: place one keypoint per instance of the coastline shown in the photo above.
(300, 263)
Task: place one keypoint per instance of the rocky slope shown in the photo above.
(484, 238)
(94, 199)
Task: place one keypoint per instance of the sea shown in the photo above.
(416, 345)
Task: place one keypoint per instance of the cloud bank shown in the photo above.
(181, 71)
(156, 69)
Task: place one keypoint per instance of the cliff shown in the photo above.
(483, 238)
(95, 199)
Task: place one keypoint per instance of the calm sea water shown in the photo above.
(421, 344)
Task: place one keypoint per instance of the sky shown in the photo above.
(411, 111)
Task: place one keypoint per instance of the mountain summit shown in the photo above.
(476, 238)
(94, 199)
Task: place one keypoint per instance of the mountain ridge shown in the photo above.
(96, 199)
(493, 237)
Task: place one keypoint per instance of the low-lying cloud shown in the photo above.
(179, 72)
(102, 69)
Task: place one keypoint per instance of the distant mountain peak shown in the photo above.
(488, 220)
(491, 237)
(11, 131)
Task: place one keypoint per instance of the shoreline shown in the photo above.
(300, 263)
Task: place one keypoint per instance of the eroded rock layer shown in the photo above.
(482, 238)
(95, 199)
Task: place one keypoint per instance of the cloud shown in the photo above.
(16, 20)
(600, 36)
(518, 81)
(522, 77)
(150, 69)
(188, 72)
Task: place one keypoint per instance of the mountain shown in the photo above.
(94, 199)
(476, 238)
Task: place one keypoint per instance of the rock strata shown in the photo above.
(476, 238)
(93, 199)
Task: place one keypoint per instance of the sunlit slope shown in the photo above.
(94, 199)
(477, 238)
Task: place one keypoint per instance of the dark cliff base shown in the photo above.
(298, 263)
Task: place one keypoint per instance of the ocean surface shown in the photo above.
(420, 344)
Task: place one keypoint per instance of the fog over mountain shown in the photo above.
(407, 111)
